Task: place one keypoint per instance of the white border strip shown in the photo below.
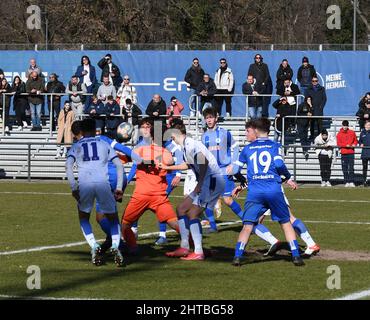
(356, 295)
(5, 296)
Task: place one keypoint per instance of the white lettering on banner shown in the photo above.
(334, 81)
(169, 84)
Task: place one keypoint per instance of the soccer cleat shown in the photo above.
(306, 155)
(313, 250)
(204, 223)
(106, 245)
(160, 241)
(179, 252)
(238, 261)
(193, 257)
(96, 255)
(118, 257)
(298, 261)
(273, 249)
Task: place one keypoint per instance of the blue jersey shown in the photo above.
(265, 166)
(222, 145)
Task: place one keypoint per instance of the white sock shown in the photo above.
(90, 239)
(116, 238)
(306, 237)
(134, 230)
(197, 238)
(267, 236)
(162, 234)
(184, 233)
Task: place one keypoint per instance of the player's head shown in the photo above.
(250, 131)
(88, 128)
(146, 128)
(262, 127)
(178, 131)
(210, 116)
(76, 129)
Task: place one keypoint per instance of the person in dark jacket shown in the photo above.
(364, 143)
(54, 86)
(318, 95)
(113, 119)
(194, 76)
(157, 108)
(260, 71)
(20, 102)
(98, 111)
(305, 74)
(364, 114)
(206, 90)
(287, 88)
(254, 102)
(283, 109)
(363, 100)
(132, 113)
(284, 72)
(5, 89)
(87, 74)
(35, 86)
(111, 70)
(304, 110)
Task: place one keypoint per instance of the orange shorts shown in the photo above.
(139, 203)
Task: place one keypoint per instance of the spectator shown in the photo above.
(254, 103)
(35, 86)
(157, 108)
(305, 74)
(111, 70)
(87, 75)
(260, 71)
(113, 119)
(288, 89)
(54, 86)
(283, 109)
(1, 74)
(194, 76)
(284, 72)
(324, 144)
(33, 67)
(133, 112)
(363, 113)
(97, 110)
(318, 95)
(364, 142)
(363, 100)
(126, 91)
(206, 90)
(304, 110)
(76, 91)
(105, 90)
(347, 140)
(224, 81)
(5, 89)
(20, 103)
(174, 109)
(65, 136)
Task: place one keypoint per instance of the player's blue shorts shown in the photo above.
(169, 178)
(229, 186)
(257, 204)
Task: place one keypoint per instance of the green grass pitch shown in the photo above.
(44, 214)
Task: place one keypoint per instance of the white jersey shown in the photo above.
(191, 149)
(92, 155)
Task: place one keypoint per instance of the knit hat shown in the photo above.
(304, 59)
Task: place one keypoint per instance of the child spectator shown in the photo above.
(97, 110)
(65, 135)
(113, 119)
(364, 142)
(174, 109)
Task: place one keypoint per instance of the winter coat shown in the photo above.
(284, 110)
(345, 138)
(261, 73)
(91, 74)
(303, 109)
(211, 89)
(113, 109)
(318, 99)
(7, 89)
(65, 121)
(18, 98)
(55, 87)
(194, 76)
(105, 91)
(329, 144)
(135, 113)
(283, 73)
(156, 107)
(127, 92)
(294, 90)
(37, 84)
(365, 140)
(224, 80)
(253, 101)
(117, 79)
(100, 109)
(361, 113)
(79, 88)
(305, 74)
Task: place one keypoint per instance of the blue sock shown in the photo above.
(134, 224)
(162, 226)
(239, 249)
(261, 228)
(299, 227)
(86, 226)
(211, 218)
(294, 247)
(105, 226)
(235, 207)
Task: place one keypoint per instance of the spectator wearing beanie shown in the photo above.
(324, 144)
(305, 74)
(174, 109)
(364, 142)
(347, 140)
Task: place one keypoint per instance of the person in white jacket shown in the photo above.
(324, 144)
(224, 80)
(126, 91)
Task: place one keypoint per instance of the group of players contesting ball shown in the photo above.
(158, 160)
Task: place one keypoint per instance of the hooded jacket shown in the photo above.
(318, 95)
(305, 74)
(194, 76)
(283, 73)
(345, 138)
(260, 72)
(329, 144)
(224, 80)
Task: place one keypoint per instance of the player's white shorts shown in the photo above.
(268, 212)
(212, 188)
(190, 182)
(101, 192)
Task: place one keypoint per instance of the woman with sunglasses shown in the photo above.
(126, 91)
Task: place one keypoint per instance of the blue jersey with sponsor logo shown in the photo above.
(265, 166)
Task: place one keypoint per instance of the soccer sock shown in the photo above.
(211, 218)
(196, 233)
(184, 231)
(235, 207)
(130, 238)
(115, 232)
(105, 226)
(239, 249)
(302, 231)
(261, 231)
(134, 227)
(87, 232)
(294, 248)
(162, 229)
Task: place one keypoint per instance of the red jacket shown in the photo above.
(345, 138)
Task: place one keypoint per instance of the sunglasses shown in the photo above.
(315, 80)
(126, 78)
(258, 58)
(223, 62)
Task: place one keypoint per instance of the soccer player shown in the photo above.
(151, 185)
(91, 156)
(210, 186)
(265, 167)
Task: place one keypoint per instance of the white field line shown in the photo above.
(356, 295)
(5, 296)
